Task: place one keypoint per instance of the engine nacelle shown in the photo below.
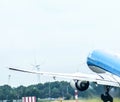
(79, 85)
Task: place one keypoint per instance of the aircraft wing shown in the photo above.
(103, 79)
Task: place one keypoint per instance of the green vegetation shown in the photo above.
(81, 100)
(97, 100)
(52, 90)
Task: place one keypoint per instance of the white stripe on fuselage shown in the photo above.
(97, 69)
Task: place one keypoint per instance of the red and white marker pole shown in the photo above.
(76, 95)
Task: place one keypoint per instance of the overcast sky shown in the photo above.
(58, 34)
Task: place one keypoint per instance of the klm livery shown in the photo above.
(99, 61)
(106, 71)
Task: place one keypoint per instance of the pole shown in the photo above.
(76, 95)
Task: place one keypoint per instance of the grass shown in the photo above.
(85, 100)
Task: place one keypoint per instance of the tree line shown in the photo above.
(51, 90)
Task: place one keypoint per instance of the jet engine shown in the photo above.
(79, 85)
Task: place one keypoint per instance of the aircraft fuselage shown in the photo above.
(100, 62)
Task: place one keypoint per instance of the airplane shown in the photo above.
(106, 71)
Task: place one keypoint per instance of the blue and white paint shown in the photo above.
(101, 61)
